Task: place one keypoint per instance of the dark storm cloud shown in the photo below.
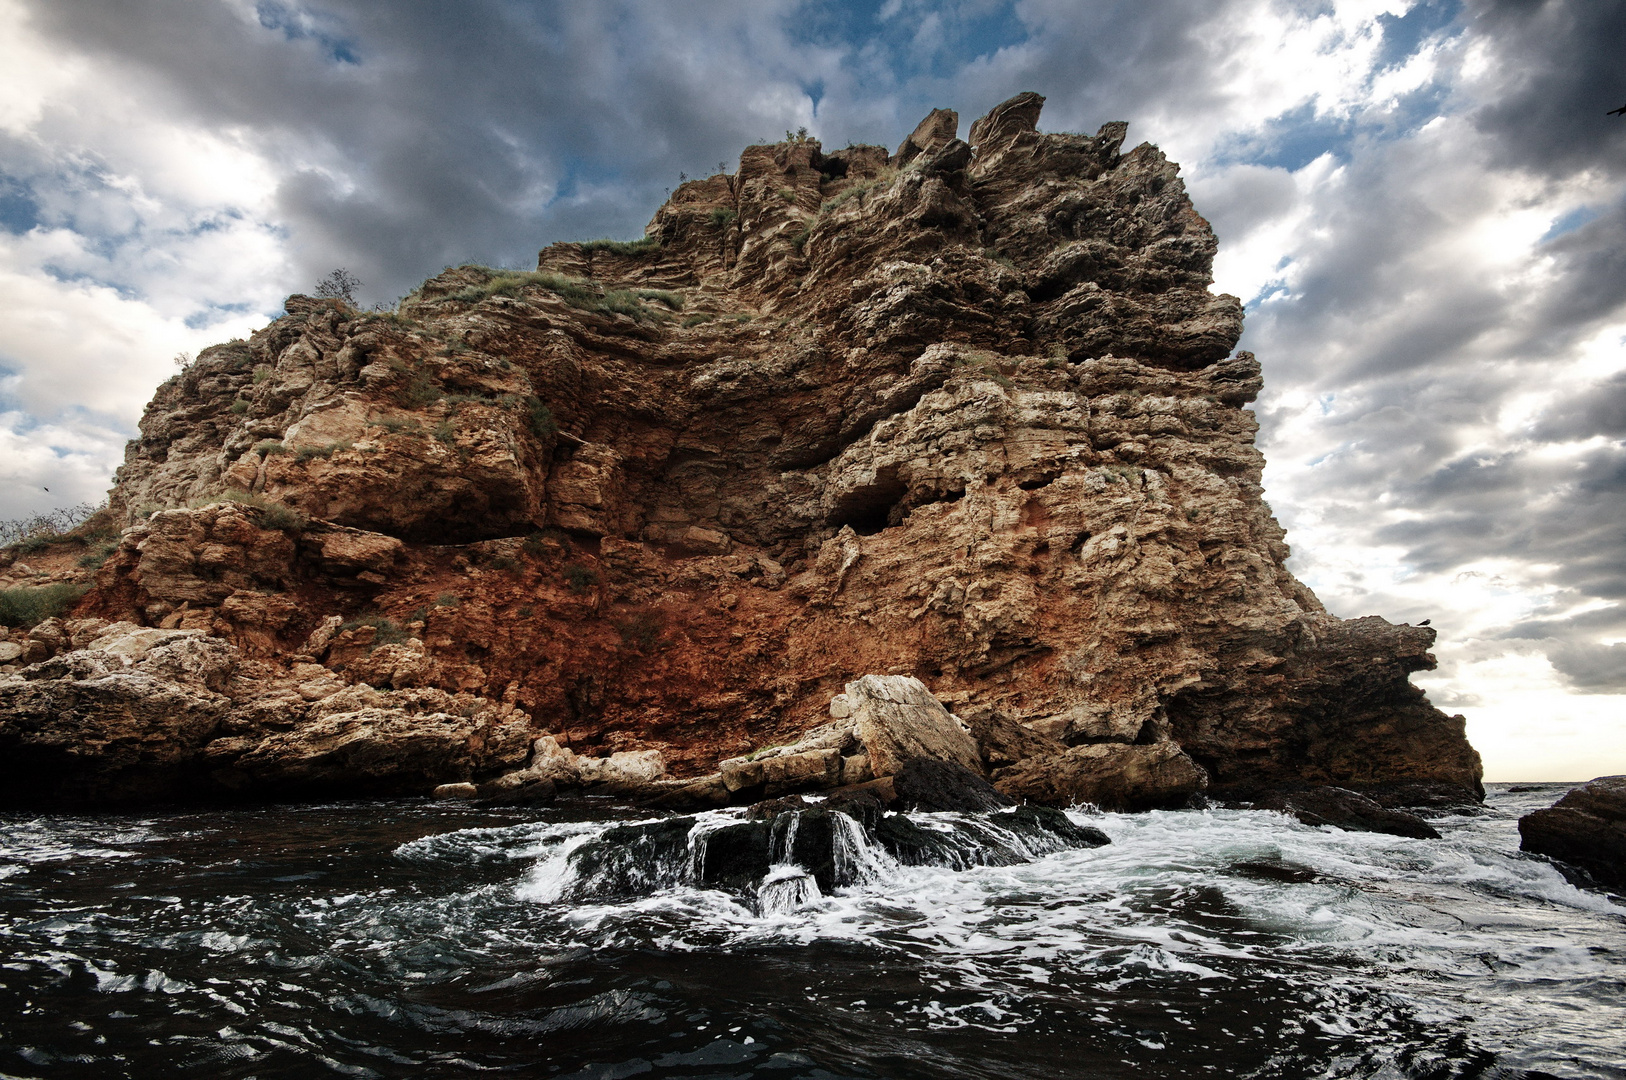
(1591, 262)
(415, 134)
(1559, 67)
(1597, 669)
(1599, 410)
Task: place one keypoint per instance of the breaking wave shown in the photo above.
(413, 940)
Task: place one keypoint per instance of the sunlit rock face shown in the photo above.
(968, 412)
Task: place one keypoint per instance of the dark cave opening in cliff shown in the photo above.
(870, 509)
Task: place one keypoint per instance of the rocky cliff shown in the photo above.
(966, 412)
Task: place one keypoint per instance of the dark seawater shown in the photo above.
(426, 940)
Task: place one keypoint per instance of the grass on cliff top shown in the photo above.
(642, 246)
(30, 606)
(573, 291)
(269, 513)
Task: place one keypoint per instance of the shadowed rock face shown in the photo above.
(968, 413)
(1585, 829)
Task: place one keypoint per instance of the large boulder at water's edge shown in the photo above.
(898, 721)
(1586, 828)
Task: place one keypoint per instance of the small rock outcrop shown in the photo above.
(1348, 811)
(1585, 829)
(967, 413)
(1113, 776)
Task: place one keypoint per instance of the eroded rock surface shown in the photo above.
(967, 413)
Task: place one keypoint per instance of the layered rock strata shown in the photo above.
(968, 412)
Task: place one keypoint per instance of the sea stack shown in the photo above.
(968, 414)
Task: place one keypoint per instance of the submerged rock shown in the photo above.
(1347, 810)
(1586, 829)
(846, 840)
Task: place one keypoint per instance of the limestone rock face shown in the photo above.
(1586, 828)
(898, 721)
(379, 751)
(967, 414)
(95, 726)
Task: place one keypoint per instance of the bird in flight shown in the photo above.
(1617, 112)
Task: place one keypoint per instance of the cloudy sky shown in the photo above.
(1423, 205)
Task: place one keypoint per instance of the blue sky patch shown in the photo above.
(1581, 215)
(297, 25)
(892, 27)
(18, 210)
(1403, 35)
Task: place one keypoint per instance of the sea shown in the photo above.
(432, 939)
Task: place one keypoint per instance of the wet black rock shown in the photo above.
(912, 845)
(832, 843)
(1436, 795)
(1346, 810)
(998, 839)
(1047, 819)
(814, 846)
(863, 806)
(930, 785)
(632, 859)
(736, 856)
(1585, 829)
(1285, 872)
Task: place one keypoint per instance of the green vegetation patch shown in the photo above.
(643, 246)
(97, 554)
(543, 424)
(30, 606)
(670, 299)
(397, 424)
(386, 631)
(580, 578)
(282, 518)
(308, 453)
(269, 514)
(576, 292)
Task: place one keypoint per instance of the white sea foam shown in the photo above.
(1183, 896)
